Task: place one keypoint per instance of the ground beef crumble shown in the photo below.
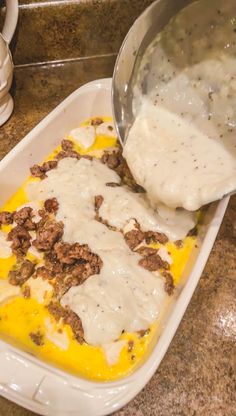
(51, 205)
(76, 325)
(20, 238)
(38, 171)
(134, 237)
(114, 160)
(154, 263)
(68, 265)
(169, 283)
(44, 273)
(146, 251)
(6, 218)
(113, 184)
(71, 253)
(67, 145)
(96, 121)
(68, 317)
(105, 222)
(155, 237)
(75, 263)
(143, 332)
(98, 202)
(37, 338)
(71, 153)
(130, 345)
(68, 153)
(23, 272)
(43, 214)
(63, 284)
(26, 292)
(52, 263)
(179, 243)
(48, 234)
(24, 217)
(85, 270)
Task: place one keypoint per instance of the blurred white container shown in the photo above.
(6, 64)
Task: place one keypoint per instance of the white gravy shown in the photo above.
(182, 147)
(176, 163)
(124, 296)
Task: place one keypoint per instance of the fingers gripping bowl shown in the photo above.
(40, 385)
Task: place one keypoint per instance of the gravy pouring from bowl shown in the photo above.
(187, 69)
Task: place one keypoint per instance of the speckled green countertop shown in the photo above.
(197, 377)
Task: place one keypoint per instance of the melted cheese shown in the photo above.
(20, 317)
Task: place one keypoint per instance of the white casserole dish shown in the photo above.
(30, 382)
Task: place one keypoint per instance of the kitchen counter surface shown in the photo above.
(197, 377)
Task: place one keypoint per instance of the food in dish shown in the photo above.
(87, 266)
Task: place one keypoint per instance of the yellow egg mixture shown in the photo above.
(20, 316)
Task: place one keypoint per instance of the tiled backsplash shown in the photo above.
(70, 29)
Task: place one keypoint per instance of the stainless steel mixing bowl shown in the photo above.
(127, 66)
(136, 69)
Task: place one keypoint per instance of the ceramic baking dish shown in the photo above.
(30, 382)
